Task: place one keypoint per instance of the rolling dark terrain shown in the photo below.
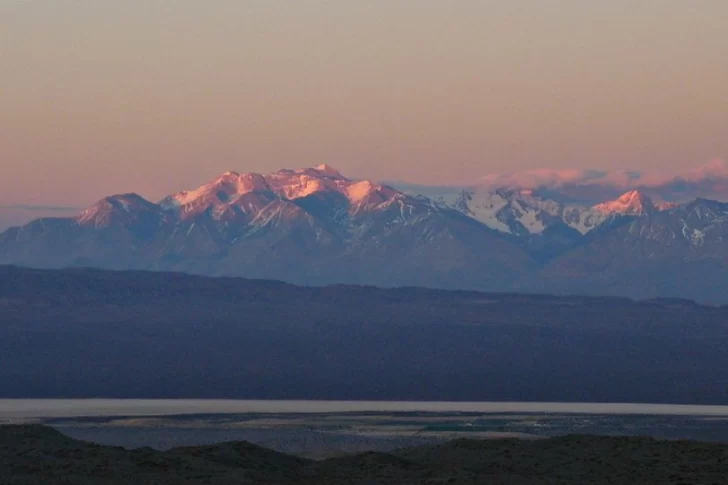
(94, 333)
(40, 455)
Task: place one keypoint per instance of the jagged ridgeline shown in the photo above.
(314, 226)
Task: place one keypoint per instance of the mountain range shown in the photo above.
(314, 226)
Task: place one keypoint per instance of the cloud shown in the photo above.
(592, 186)
(714, 171)
(548, 178)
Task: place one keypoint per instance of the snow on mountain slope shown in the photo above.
(654, 250)
(485, 207)
(314, 226)
(520, 212)
(231, 191)
(309, 226)
(310, 204)
(121, 209)
(632, 203)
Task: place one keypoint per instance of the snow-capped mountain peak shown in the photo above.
(328, 170)
(315, 226)
(120, 207)
(230, 190)
(364, 192)
(522, 212)
(632, 203)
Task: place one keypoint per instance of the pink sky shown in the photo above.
(155, 96)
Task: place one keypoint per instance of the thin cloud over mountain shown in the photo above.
(314, 226)
(594, 186)
(716, 170)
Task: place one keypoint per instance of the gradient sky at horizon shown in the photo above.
(154, 96)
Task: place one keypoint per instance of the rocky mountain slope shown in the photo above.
(681, 251)
(314, 226)
(310, 226)
(520, 212)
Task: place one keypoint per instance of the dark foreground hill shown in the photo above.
(40, 455)
(92, 333)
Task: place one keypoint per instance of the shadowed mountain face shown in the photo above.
(91, 333)
(683, 251)
(40, 455)
(311, 226)
(315, 227)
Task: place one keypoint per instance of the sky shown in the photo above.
(155, 96)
